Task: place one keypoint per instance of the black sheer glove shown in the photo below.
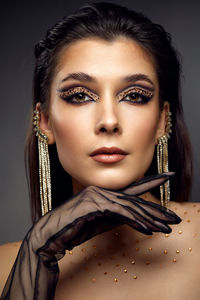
(94, 210)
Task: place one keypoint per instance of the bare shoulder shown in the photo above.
(190, 213)
(8, 254)
(189, 228)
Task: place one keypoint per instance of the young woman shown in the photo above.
(107, 117)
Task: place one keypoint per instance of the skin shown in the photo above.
(78, 130)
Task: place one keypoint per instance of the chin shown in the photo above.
(111, 184)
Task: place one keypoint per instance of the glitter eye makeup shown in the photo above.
(80, 95)
(77, 95)
(135, 95)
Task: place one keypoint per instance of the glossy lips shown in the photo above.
(108, 155)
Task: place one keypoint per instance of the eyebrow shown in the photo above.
(80, 76)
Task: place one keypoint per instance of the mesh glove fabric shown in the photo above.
(92, 211)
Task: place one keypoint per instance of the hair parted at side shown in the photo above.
(108, 21)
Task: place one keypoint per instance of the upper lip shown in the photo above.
(108, 150)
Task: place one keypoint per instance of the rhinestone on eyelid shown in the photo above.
(80, 90)
(136, 90)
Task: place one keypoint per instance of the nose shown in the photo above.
(107, 119)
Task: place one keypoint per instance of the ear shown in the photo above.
(45, 125)
(161, 129)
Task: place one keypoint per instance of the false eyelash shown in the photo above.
(69, 94)
(145, 95)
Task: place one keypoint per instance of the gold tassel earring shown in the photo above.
(162, 161)
(44, 166)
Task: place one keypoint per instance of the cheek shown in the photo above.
(69, 129)
(141, 134)
(141, 126)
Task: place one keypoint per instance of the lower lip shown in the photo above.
(108, 158)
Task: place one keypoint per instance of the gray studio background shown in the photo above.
(22, 25)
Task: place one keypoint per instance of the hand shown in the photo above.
(90, 212)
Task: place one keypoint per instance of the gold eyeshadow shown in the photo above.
(77, 90)
(136, 90)
(71, 95)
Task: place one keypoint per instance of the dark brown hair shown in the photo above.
(108, 21)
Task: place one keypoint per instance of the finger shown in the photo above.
(150, 221)
(147, 212)
(151, 209)
(146, 184)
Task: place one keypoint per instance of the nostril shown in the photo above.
(115, 129)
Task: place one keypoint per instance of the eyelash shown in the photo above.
(141, 94)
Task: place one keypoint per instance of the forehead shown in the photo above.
(105, 59)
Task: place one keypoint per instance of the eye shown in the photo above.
(136, 95)
(78, 95)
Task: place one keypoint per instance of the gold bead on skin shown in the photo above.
(165, 251)
(150, 249)
(174, 260)
(116, 280)
(134, 277)
(180, 232)
(166, 235)
(70, 252)
(188, 221)
(117, 265)
(190, 249)
(177, 251)
(125, 271)
(133, 262)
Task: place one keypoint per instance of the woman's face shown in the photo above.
(104, 94)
